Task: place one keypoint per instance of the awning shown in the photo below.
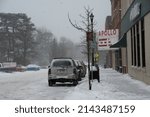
(121, 43)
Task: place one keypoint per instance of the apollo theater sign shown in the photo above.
(107, 38)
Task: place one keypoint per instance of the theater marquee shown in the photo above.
(107, 38)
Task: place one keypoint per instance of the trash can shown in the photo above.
(94, 71)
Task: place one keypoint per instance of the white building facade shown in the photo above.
(135, 25)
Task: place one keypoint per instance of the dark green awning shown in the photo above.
(121, 43)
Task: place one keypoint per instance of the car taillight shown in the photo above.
(49, 71)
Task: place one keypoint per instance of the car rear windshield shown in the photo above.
(61, 64)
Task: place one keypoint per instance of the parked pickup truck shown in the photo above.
(8, 66)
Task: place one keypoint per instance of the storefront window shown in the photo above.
(134, 38)
(132, 47)
(138, 45)
(143, 42)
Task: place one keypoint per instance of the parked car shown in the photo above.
(84, 68)
(20, 68)
(32, 67)
(79, 70)
(62, 70)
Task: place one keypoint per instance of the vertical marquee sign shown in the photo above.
(107, 38)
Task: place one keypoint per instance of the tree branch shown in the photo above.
(75, 25)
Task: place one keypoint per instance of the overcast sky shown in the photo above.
(53, 14)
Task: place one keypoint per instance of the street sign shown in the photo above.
(107, 38)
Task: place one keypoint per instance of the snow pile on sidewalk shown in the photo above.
(113, 86)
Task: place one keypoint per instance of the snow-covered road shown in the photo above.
(30, 85)
(33, 85)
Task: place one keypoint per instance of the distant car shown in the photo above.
(8, 66)
(62, 70)
(20, 68)
(32, 67)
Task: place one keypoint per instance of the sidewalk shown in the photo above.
(113, 86)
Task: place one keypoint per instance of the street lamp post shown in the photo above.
(88, 49)
(90, 38)
(92, 17)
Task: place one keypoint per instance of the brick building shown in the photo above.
(119, 61)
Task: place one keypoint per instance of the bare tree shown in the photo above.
(66, 47)
(44, 48)
(85, 27)
(54, 49)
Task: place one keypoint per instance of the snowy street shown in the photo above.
(32, 85)
(29, 85)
